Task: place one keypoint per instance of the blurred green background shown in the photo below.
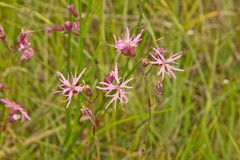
(197, 117)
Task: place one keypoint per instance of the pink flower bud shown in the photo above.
(110, 77)
(72, 10)
(48, 31)
(88, 113)
(2, 35)
(162, 51)
(68, 26)
(159, 88)
(1, 86)
(57, 28)
(88, 91)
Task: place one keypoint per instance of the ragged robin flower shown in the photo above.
(126, 44)
(16, 111)
(118, 89)
(165, 64)
(69, 89)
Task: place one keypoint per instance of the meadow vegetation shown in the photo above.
(195, 117)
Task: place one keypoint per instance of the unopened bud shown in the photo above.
(72, 10)
(144, 62)
(48, 31)
(88, 90)
(110, 77)
(1, 86)
(159, 88)
(2, 35)
(88, 113)
(58, 28)
(68, 26)
(162, 52)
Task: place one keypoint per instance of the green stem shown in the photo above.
(95, 133)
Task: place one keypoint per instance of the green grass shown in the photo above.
(197, 117)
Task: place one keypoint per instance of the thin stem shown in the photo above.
(149, 102)
(95, 133)
(142, 71)
(148, 70)
(96, 97)
(97, 146)
(89, 101)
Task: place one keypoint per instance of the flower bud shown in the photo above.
(88, 90)
(57, 28)
(110, 77)
(144, 62)
(68, 26)
(2, 35)
(48, 31)
(1, 86)
(72, 10)
(159, 88)
(88, 113)
(162, 52)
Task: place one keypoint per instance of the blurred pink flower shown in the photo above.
(24, 45)
(164, 64)
(126, 44)
(14, 108)
(69, 89)
(27, 54)
(118, 88)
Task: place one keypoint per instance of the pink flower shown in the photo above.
(165, 63)
(24, 45)
(14, 108)
(69, 89)
(118, 88)
(27, 54)
(126, 44)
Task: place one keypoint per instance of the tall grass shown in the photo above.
(196, 117)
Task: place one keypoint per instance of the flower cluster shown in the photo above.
(24, 45)
(16, 111)
(69, 89)
(118, 88)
